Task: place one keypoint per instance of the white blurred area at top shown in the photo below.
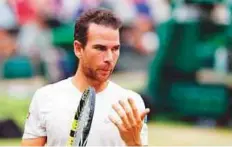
(65, 10)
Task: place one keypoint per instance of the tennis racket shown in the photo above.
(83, 119)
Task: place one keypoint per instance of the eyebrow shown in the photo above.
(99, 46)
(103, 46)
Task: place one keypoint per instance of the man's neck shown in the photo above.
(82, 82)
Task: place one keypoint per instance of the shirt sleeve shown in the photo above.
(34, 124)
(144, 134)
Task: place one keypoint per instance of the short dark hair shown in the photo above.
(97, 16)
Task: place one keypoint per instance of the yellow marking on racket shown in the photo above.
(70, 141)
(75, 125)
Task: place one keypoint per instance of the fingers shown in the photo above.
(116, 122)
(134, 110)
(139, 117)
(144, 113)
(122, 114)
(128, 112)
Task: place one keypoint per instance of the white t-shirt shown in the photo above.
(53, 107)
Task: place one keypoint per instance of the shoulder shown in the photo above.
(47, 92)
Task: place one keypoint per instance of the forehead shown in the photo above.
(99, 34)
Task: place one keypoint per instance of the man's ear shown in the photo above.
(77, 48)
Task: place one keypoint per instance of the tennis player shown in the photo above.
(119, 113)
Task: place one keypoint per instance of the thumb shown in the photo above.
(144, 113)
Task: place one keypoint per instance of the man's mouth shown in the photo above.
(105, 72)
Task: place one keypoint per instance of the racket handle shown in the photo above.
(70, 141)
(72, 133)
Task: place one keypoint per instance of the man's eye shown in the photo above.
(101, 48)
(115, 49)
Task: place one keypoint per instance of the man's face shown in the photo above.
(100, 55)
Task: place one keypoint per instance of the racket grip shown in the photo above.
(72, 132)
(70, 141)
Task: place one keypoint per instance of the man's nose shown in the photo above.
(108, 56)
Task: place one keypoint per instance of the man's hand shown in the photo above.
(131, 122)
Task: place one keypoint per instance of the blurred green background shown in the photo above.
(175, 53)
